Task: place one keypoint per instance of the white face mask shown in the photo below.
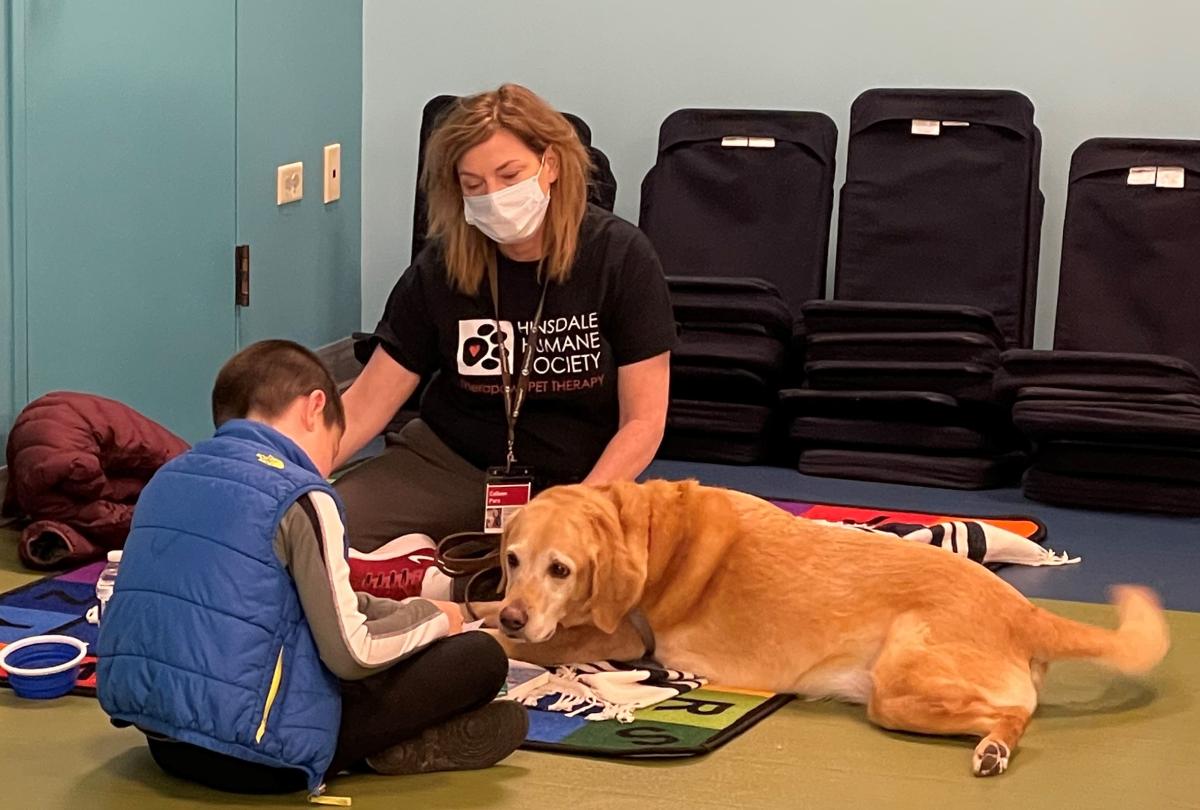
(511, 214)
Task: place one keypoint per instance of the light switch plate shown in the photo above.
(333, 172)
(289, 183)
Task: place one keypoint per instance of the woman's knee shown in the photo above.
(371, 520)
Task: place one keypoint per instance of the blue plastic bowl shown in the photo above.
(43, 667)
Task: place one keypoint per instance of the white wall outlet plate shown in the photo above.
(289, 183)
(333, 172)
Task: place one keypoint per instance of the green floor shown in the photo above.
(1097, 742)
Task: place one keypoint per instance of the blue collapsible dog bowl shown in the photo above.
(43, 667)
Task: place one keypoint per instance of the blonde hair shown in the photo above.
(470, 122)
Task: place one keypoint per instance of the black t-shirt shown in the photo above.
(613, 310)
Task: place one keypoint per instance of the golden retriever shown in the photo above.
(741, 592)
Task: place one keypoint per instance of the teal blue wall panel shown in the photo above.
(7, 324)
(299, 88)
(144, 139)
(129, 201)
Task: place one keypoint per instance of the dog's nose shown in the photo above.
(513, 618)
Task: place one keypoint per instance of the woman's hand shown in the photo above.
(643, 392)
(372, 400)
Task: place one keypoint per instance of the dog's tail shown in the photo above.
(1136, 646)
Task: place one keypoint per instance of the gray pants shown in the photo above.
(418, 485)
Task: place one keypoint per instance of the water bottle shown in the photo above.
(108, 578)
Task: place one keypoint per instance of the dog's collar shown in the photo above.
(640, 623)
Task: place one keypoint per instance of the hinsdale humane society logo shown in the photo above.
(479, 346)
(568, 347)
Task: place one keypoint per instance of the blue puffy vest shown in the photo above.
(204, 639)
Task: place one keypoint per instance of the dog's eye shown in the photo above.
(513, 562)
(559, 571)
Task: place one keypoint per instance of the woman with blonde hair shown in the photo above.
(543, 322)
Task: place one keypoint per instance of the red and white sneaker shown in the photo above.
(393, 571)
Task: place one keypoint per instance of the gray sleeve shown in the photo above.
(375, 608)
(356, 635)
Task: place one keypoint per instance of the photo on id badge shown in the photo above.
(505, 494)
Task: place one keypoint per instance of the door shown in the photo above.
(299, 88)
(128, 201)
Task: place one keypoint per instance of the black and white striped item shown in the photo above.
(982, 542)
(610, 690)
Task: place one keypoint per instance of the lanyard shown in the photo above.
(514, 398)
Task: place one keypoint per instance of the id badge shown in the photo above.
(504, 495)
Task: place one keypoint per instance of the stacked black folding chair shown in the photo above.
(941, 203)
(725, 374)
(903, 393)
(938, 236)
(1114, 410)
(602, 185)
(738, 206)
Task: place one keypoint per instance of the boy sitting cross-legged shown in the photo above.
(234, 640)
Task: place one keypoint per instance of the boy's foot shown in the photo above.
(477, 739)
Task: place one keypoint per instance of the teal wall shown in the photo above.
(127, 123)
(299, 68)
(1092, 67)
(6, 275)
(144, 139)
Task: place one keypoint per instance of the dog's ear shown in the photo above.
(621, 554)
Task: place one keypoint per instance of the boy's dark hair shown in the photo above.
(266, 377)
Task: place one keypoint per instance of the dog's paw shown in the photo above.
(991, 758)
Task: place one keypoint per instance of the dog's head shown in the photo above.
(575, 555)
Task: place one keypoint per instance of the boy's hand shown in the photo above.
(453, 612)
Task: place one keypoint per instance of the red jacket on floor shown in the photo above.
(81, 460)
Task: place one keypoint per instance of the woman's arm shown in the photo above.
(642, 394)
(372, 400)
